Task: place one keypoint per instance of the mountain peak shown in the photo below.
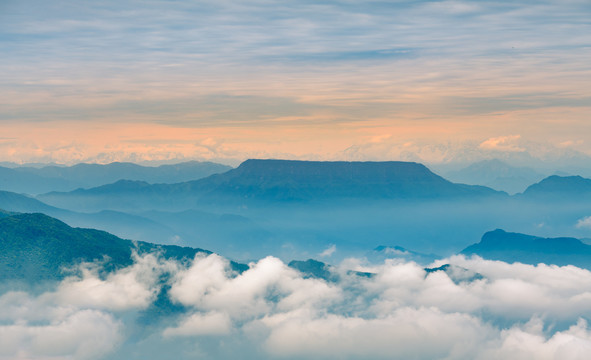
(529, 249)
(558, 186)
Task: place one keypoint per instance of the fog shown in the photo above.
(476, 309)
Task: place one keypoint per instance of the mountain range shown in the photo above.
(257, 182)
(297, 209)
(36, 180)
(35, 247)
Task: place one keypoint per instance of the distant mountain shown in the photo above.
(287, 180)
(496, 174)
(277, 181)
(560, 188)
(122, 224)
(16, 180)
(35, 180)
(528, 249)
(313, 269)
(35, 247)
(456, 273)
(22, 203)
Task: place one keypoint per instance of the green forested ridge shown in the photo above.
(37, 247)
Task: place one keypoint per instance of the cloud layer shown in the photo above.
(272, 311)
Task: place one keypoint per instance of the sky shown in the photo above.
(163, 80)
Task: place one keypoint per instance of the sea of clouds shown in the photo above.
(475, 309)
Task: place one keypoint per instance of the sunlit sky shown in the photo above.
(433, 81)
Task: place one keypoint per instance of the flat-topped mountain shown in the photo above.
(298, 180)
(278, 181)
(515, 247)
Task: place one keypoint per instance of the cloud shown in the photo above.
(401, 334)
(213, 323)
(34, 328)
(584, 223)
(131, 287)
(530, 342)
(328, 251)
(503, 143)
(267, 286)
(270, 311)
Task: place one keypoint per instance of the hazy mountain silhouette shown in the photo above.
(36, 247)
(17, 180)
(286, 180)
(528, 249)
(566, 188)
(456, 273)
(35, 180)
(122, 224)
(277, 181)
(496, 174)
(22, 203)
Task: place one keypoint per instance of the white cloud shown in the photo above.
(503, 143)
(37, 328)
(213, 323)
(271, 311)
(401, 334)
(328, 251)
(584, 223)
(131, 287)
(530, 342)
(268, 285)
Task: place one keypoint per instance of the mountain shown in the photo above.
(457, 274)
(287, 180)
(313, 269)
(17, 180)
(35, 247)
(528, 249)
(23, 203)
(496, 174)
(277, 181)
(121, 224)
(35, 180)
(560, 188)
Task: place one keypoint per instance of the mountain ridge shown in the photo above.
(559, 187)
(529, 249)
(271, 180)
(37, 247)
(36, 180)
